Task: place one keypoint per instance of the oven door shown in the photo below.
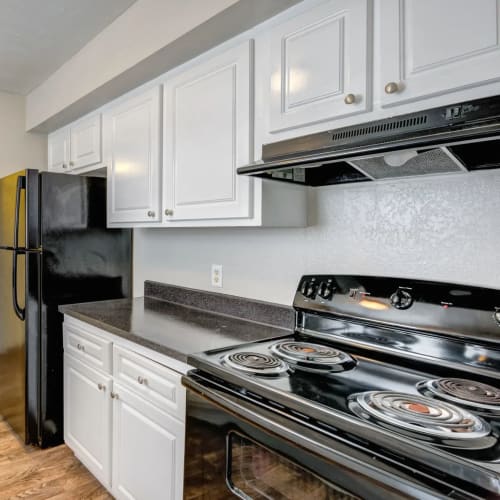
(237, 449)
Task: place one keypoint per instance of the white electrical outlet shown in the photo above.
(217, 275)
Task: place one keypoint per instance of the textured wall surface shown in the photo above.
(442, 228)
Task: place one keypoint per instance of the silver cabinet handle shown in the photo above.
(350, 99)
(101, 387)
(114, 395)
(80, 347)
(142, 380)
(391, 88)
(169, 212)
(151, 213)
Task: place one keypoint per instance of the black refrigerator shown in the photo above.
(54, 249)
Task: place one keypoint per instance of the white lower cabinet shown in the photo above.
(115, 426)
(148, 446)
(88, 417)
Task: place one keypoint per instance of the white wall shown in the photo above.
(18, 149)
(439, 228)
(144, 28)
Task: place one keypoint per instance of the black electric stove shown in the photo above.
(406, 372)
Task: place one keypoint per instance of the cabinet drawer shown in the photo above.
(88, 348)
(154, 382)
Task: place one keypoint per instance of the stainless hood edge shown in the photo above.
(467, 133)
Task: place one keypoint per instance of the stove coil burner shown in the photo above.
(255, 363)
(482, 398)
(423, 418)
(310, 357)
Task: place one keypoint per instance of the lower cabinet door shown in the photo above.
(148, 450)
(88, 417)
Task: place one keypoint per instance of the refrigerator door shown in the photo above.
(82, 261)
(19, 299)
(12, 347)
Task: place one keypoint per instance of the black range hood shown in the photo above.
(459, 137)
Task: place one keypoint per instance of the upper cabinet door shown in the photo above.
(131, 135)
(58, 150)
(207, 135)
(86, 142)
(429, 48)
(320, 65)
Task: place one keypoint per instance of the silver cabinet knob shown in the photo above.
(350, 99)
(64, 165)
(114, 395)
(142, 380)
(101, 387)
(151, 213)
(169, 212)
(80, 347)
(71, 164)
(391, 88)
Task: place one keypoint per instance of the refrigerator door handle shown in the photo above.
(20, 312)
(21, 184)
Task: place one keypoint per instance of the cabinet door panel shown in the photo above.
(317, 58)
(58, 151)
(87, 417)
(207, 136)
(429, 48)
(148, 450)
(132, 144)
(86, 142)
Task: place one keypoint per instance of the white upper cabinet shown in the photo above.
(319, 65)
(58, 150)
(131, 139)
(77, 146)
(86, 142)
(429, 48)
(207, 135)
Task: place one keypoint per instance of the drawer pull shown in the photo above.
(142, 380)
(114, 395)
(80, 347)
(101, 387)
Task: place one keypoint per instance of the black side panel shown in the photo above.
(32, 307)
(82, 261)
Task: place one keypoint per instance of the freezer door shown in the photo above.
(10, 193)
(19, 215)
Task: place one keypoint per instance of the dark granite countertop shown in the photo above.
(175, 330)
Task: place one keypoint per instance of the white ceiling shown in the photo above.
(38, 36)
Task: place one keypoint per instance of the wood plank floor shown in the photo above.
(30, 473)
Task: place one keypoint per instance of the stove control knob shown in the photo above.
(401, 299)
(325, 290)
(309, 289)
(496, 316)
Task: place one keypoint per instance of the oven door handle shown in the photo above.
(298, 435)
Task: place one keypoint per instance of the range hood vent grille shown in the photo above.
(405, 124)
(460, 137)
